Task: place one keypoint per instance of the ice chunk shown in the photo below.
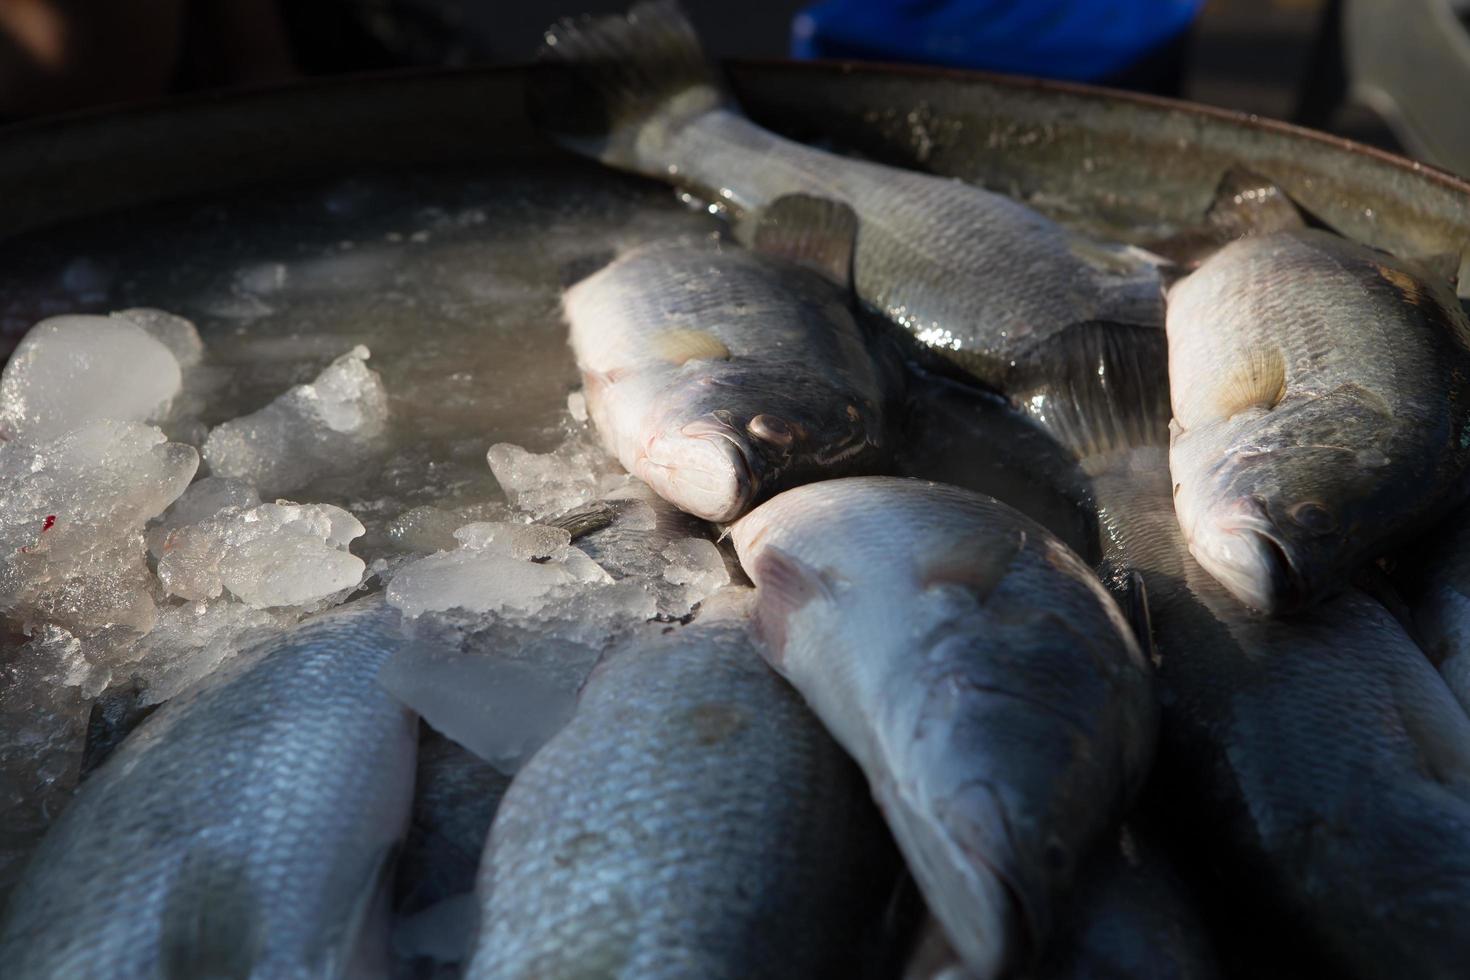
(206, 498)
(546, 484)
(72, 513)
(43, 715)
(524, 541)
(696, 564)
(193, 639)
(70, 370)
(329, 426)
(475, 581)
(268, 555)
(288, 571)
(174, 332)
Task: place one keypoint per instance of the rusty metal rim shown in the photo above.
(1020, 83)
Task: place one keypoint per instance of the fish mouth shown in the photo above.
(1251, 561)
(705, 469)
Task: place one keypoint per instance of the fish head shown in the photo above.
(722, 461)
(1274, 506)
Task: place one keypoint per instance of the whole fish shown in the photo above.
(1321, 762)
(693, 820)
(1321, 396)
(245, 829)
(719, 376)
(1129, 918)
(989, 688)
(976, 275)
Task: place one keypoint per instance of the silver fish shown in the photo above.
(1321, 397)
(719, 376)
(1322, 762)
(693, 820)
(976, 275)
(244, 829)
(989, 688)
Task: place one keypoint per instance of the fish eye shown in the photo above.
(1314, 517)
(771, 429)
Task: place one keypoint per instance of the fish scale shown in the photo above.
(1321, 400)
(988, 687)
(978, 276)
(1319, 759)
(693, 819)
(243, 829)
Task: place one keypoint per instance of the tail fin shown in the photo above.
(617, 88)
(1097, 388)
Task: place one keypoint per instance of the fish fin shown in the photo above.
(615, 87)
(211, 925)
(975, 565)
(1257, 379)
(815, 232)
(1134, 600)
(785, 584)
(586, 519)
(1246, 203)
(1097, 387)
(683, 346)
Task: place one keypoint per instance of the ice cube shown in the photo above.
(193, 639)
(70, 370)
(174, 332)
(287, 570)
(696, 564)
(524, 541)
(330, 426)
(475, 581)
(72, 512)
(268, 555)
(577, 406)
(546, 484)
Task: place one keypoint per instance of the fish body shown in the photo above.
(989, 688)
(976, 275)
(245, 829)
(719, 376)
(1321, 400)
(692, 820)
(1322, 762)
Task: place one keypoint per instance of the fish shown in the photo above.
(973, 274)
(246, 828)
(1432, 580)
(1130, 916)
(718, 375)
(990, 689)
(1318, 759)
(692, 820)
(1321, 411)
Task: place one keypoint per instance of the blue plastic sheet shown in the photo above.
(1082, 40)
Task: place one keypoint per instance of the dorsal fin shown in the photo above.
(816, 232)
(1247, 203)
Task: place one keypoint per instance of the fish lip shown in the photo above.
(1282, 589)
(707, 447)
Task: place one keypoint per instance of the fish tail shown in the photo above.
(619, 88)
(1097, 387)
